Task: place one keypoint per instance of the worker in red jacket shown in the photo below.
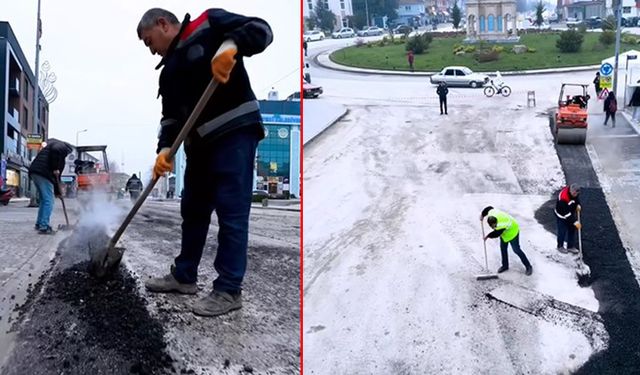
(567, 206)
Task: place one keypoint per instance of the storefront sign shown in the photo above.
(280, 119)
(34, 141)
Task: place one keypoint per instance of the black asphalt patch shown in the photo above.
(79, 325)
(612, 278)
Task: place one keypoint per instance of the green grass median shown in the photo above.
(440, 54)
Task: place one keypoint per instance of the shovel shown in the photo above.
(583, 271)
(488, 275)
(106, 260)
(66, 217)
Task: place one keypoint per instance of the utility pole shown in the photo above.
(366, 9)
(618, 29)
(33, 199)
(36, 95)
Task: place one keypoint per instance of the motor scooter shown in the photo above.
(5, 194)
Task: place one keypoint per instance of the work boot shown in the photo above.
(217, 303)
(562, 250)
(502, 269)
(573, 250)
(47, 230)
(529, 271)
(169, 284)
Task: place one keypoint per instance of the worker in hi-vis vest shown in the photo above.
(505, 227)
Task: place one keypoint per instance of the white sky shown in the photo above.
(106, 78)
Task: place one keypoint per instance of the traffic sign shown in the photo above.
(606, 69)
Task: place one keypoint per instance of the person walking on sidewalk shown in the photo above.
(567, 205)
(220, 151)
(45, 172)
(596, 83)
(610, 108)
(442, 92)
(410, 59)
(304, 46)
(134, 187)
(505, 227)
(635, 103)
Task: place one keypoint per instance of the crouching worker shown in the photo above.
(505, 227)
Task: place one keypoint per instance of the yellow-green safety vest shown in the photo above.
(506, 222)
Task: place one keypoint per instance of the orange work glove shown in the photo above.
(163, 164)
(223, 61)
(578, 225)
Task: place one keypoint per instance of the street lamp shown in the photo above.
(77, 133)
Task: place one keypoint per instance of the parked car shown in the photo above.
(459, 76)
(345, 32)
(311, 91)
(371, 31)
(402, 29)
(593, 22)
(573, 22)
(553, 17)
(312, 35)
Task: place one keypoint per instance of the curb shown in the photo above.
(329, 124)
(329, 64)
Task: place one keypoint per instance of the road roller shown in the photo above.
(571, 115)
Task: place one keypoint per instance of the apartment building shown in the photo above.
(17, 85)
(343, 9)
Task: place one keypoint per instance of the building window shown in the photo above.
(25, 123)
(482, 25)
(499, 23)
(11, 133)
(407, 8)
(326, 4)
(310, 4)
(26, 90)
(490, 23)
(342, 6)
(626, 10)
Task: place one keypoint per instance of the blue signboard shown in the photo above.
(3, 169)
(606, 69)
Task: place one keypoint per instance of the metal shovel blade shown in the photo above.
(105, 261)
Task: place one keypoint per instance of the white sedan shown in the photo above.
(459, 76)
(312, 35)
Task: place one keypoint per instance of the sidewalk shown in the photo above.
(319, 115)
(24, 257)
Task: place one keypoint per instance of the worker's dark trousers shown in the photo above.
(443, 104)
(219, 178)
(567, 231)
(515, 245)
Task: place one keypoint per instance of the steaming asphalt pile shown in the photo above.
(76, 324)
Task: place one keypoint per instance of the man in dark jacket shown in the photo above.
(442, 92)
(567, 205)
(596, 84)
(45, 172)
(221, 149)
(635, 103)
(134, 187)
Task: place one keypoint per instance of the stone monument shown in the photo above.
(491, 20)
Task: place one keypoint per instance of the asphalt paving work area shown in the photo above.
(612, 277)
(74, 324)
